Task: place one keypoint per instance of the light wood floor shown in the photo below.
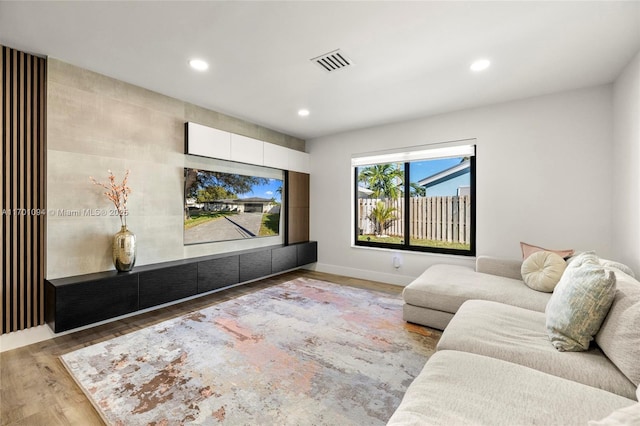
(35, 388)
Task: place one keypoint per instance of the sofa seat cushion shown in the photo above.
(446, 287)
(519, 336)
(461, 388)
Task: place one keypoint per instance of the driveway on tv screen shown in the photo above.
(243, 225)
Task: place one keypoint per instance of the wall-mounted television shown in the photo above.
(220, 206)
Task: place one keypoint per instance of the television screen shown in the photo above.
(222, 206)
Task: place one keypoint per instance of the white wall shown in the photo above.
(626, 158)
(543, 176)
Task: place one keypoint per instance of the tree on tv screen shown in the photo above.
(213, 193)
(205, 185)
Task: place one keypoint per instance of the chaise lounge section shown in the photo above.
(435, 296)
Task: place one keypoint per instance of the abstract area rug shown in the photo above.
(305, 352)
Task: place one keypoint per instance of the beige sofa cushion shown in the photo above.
(461, 388)
(499, 266)
(542, 270)
(518, 335)
(446, 287)
(619, 335)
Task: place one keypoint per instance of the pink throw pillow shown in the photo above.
(528, 250)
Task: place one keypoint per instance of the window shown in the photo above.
(420, 199)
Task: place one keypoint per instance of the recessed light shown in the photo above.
(303, 112)
(199, 64)
(481, 64)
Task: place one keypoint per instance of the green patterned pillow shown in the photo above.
(579, 304)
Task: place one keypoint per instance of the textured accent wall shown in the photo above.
(97, 123)
(23, 112)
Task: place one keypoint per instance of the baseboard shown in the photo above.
(18, 339)
(401, 280)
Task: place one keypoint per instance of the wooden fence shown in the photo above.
(433, 218)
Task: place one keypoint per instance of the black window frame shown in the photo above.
(406, 246)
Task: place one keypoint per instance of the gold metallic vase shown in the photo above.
(124, 249)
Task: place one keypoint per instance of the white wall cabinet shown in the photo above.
(276, 156)
(209, 142)
(299, 161)
(247, 150)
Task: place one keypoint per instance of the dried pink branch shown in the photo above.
(117, 194)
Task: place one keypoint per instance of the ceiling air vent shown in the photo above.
(333, 61)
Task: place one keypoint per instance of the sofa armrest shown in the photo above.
(508, 268)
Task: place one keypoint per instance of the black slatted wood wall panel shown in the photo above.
(23, 108)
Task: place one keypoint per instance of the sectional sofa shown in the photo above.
(496, 363)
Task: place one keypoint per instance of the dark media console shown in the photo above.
(86, 299)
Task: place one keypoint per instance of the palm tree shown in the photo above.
(383, 179)
(380, 215)
(417, 190)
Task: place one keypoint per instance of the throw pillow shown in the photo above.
(624, 416)
(611, 264)
(528, 250)
(542, 270)
(578, 305)
(583, 257)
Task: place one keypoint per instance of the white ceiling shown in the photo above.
(411, 59)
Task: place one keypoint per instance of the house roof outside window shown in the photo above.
(449, 181)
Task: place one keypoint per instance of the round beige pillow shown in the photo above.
(542, 270)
